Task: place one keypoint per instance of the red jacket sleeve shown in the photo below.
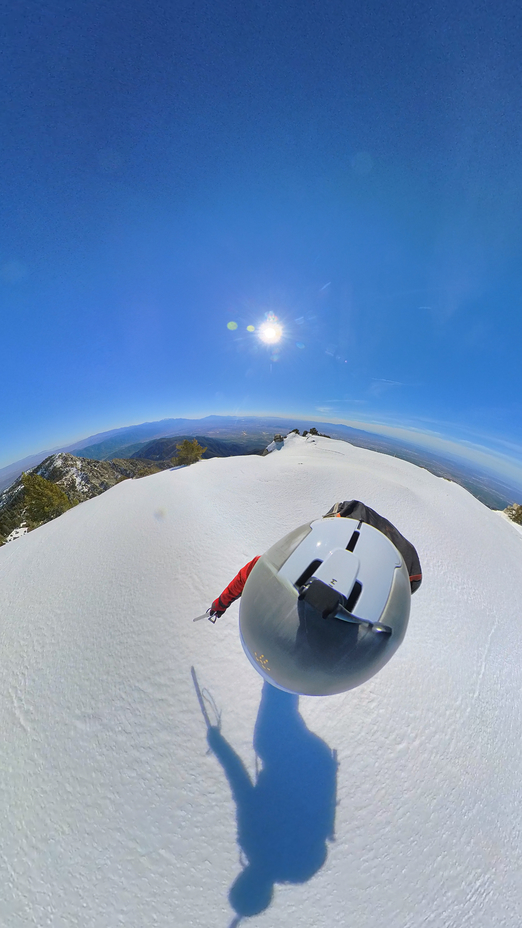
(234, 589)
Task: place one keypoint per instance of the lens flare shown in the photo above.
(232, 326)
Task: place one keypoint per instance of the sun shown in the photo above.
(270, 332)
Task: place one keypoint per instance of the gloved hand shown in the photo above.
(214, 612)
(213, 615)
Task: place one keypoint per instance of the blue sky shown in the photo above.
(168, 169)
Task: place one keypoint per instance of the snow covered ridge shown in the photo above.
(83, 478)
(399, 803)
(79, 478)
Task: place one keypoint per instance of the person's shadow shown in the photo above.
(286, 817)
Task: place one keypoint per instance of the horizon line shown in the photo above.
(489, 457)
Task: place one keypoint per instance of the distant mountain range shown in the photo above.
(163, 449)
(126, 441)
(229, 435)
(256, 430)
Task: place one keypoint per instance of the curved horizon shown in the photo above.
(213, 209)
(481, 456)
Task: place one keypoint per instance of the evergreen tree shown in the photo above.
(188, 452)
(43, 500)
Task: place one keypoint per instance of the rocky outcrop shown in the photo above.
(78, 478)
(514, 512)
(82, 478)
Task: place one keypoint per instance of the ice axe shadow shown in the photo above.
(204, 699)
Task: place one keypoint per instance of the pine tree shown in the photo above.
(42, 500)
(188, 452)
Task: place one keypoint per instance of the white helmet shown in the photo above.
(326, 607)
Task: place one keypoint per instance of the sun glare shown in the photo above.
(270, 332)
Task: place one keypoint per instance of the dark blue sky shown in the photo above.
(168, 168)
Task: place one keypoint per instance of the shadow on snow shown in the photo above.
(286, 817)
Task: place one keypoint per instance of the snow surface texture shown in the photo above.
(115, 811)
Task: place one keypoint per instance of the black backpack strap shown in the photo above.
(354, 509)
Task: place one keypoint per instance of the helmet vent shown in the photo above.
(305, 576)
(354, 596)
(353, 541)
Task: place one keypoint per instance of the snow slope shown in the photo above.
(115, 812)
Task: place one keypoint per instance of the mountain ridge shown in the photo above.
(79, 479)
(489, 489)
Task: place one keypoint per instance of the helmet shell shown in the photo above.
(293, 647)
